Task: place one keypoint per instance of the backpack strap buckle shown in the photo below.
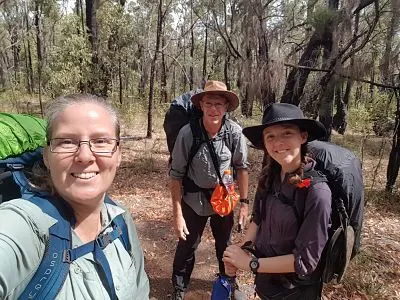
(67, 256)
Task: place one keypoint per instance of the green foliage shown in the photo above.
(359, 119)
(69, 60)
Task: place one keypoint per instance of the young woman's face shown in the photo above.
(83, 177)
(283, 143)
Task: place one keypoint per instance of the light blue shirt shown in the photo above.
(23, 236)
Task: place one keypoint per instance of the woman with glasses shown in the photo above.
(104, 259)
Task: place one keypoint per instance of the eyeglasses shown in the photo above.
(217, 105)
(98, 146)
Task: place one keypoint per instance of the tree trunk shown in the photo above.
(164, 91)
(39, 51)
(91, 23)
(298, 77)
(80, 31)
(330, 44)
(392, 29)
(152, 73)
(28, 54)
(143, 71)
(191, 71)
(204, 77)
(226, 70)
(341, 117)
(121, 96)
(394, 157)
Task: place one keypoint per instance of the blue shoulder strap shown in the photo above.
(54, 267)
(52, 271)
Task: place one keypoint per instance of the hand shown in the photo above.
(235, 256)
(243, 213)
(230, 269)
(180, 227)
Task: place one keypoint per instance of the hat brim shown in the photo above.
(231, 97)
(315, 130)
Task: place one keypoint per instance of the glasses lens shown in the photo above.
(64, 145)
(103, 145)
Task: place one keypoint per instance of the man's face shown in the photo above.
(214, 108)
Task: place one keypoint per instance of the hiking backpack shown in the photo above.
(49, 278)
(341, 170)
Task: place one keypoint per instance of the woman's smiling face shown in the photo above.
(283, 143)
(83, 177)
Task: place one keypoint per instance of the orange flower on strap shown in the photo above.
(304, 183)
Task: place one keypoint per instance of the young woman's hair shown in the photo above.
(40, 177)
(271, 168)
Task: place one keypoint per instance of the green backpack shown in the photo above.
(20, 133)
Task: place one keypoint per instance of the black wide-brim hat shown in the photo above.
(279, 113)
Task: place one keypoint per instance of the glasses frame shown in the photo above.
(89, 142)
(216, 105)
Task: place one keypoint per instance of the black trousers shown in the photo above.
(185, 251)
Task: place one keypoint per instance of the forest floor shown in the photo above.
(142, 185)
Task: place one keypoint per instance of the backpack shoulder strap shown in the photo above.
(300, 194)
(54, 267)
(197, 141)
(53, 270)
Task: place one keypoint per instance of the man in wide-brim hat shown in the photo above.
(192, 208)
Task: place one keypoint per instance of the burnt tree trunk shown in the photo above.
(341, 117)
(394, 157)
(298, 77)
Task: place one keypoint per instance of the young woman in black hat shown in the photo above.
(288, 244)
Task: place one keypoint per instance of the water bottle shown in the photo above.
(227, 179)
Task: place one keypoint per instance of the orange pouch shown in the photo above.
(223, 201)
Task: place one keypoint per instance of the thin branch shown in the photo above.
(386, 86)
(180, 65)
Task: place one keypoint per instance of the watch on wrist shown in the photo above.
(254, 264)
(244, 200)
